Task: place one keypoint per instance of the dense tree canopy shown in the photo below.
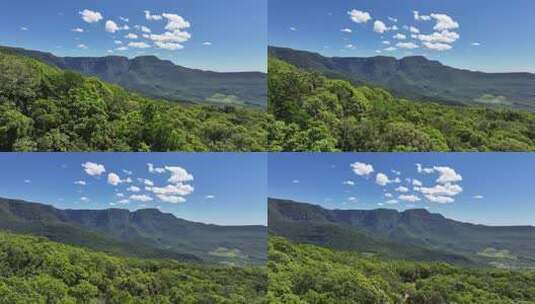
(306, 274)
(315, 113)
(35, 270)
(47, 109)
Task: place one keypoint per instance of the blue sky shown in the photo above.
(481, 35)
(485, 188)
(221, 188)
(225, 35)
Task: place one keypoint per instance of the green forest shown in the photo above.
(314, 113)
(307, 274)
(47, 109)
(35, 270)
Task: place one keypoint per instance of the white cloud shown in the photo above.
(476, 44)
(90, 16)
(139, 45)
(171, 199)
(402, 189)
(147, 182)
(27, 181)
(444, 22)
(141, 198)
(379, 27)
(119, 194)
(359, 16)
(114, 179)
(414, 30)
(396, 172)
(392, 202)
(419, 17)
(123, 19)
(400, 36)
(437, 46)
(131, 36)
(111, 27)
(395, 20)
(153, 169)
(390, 49)
(394, 28)
(361, 169)
(409, 198)
(133, 189)
(478, 196)
(447, 175)
(407, 45)
(350, 46)
(118, 42)
(439, 199)
(124, 201)
(293, 29)
(352, 199)
(84, 199)
(127, 172)
(422, 169)
(78, 30)
(207, 43)
(176, 22)
(349, 183)
(122, 48)
(210, 196)
(346, 30)
(24, 29)
(169, 46)
(178, 175)
(81, 46)
(382, 179)
(441, 190)
(386, 42)
(80, 183)
(178, 189)
(151, 17)
(145, 29)
(93, 169)
(389, 195)
(440, 37)
(295, 181)
(416, 183)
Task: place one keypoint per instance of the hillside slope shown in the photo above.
(144, 233)
(421, 79)
(397, 233)
(163, 79)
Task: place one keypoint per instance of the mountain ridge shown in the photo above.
(421, 79)
(158, 78)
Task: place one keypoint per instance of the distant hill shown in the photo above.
(146, 233)
(421, 79)
(403, 234)
(158, 78)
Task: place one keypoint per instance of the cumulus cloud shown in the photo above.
(84, 199)
(151, 17)
(346, 30)
(395, 20)
(171, 199)
(131, 36)
(133, 189)
(178, 175)
(293, 29)
(478, 196)
(439, 199)
(153, 169)
(81, 46)
(127, 172)
(80, 183)
(359, 16)
(379, 27)
(402, 189)
(407, 45)
(178, 189)
(90, 16)
(392, 202)
(145, 29)
(476, 44)
(207, 43)
(441, 190)
(447, 175)
(78, 30)
(119, 194)
(350, 46)
(93, 169)
(389, 195)
(351, 199)
(349, 183)
(409, 198)
(169, 46)
(419, 17)
(382, 179)
(400, 36)
(140, 198)
(414, 30)
(437, 46)
(210, 196)
(114, 179)
(123, 19)
(111, 27)
(139, 45)
(444, 22)
(122, 48)
(362, 169)
(386, 42)
(440, 37)
(416, 183)
(422, 169)
(390, 49)
(176, 22)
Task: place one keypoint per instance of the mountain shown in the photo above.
(158, 78)
(392, 233)
(421, 79)
(145, 233)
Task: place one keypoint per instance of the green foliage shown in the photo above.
(303, 274)
(35, 270)
(47, 109)
(314, 113)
